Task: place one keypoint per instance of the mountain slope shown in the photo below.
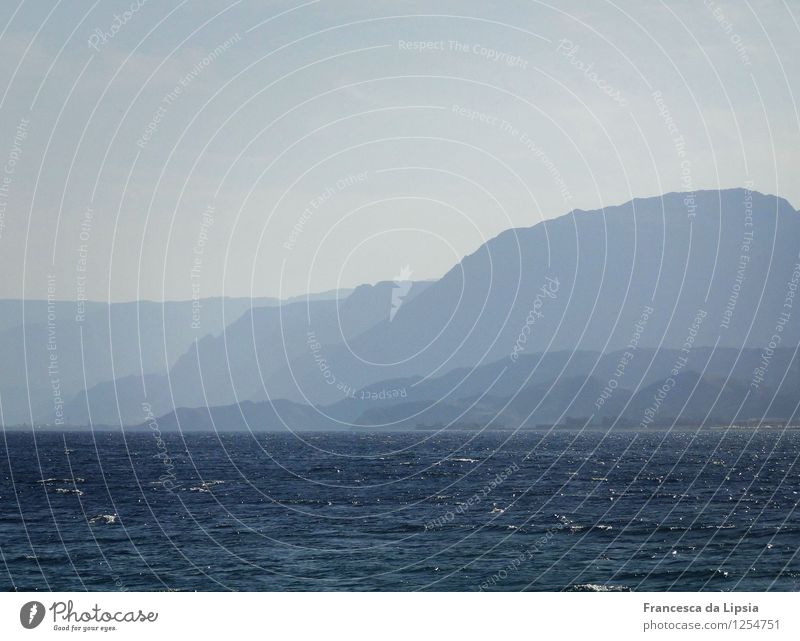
(704, 269)
(651, 271)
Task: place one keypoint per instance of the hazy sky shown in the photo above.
(273, 148)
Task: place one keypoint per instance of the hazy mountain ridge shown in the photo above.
(64, 347)
(654, 271)
(228, 367)
(609, 270)
(685, 398)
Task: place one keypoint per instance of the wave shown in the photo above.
(595, 587)
(107, 519)
(205, 486)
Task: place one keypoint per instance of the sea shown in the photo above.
(695, 510)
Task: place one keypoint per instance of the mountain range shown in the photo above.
(680, 296)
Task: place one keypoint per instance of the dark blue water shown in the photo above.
(400, 511)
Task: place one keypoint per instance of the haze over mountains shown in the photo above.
(679, 296)
(55, 350)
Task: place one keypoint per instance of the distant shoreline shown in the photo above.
(84, 429)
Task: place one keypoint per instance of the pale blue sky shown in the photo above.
(300, 95)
